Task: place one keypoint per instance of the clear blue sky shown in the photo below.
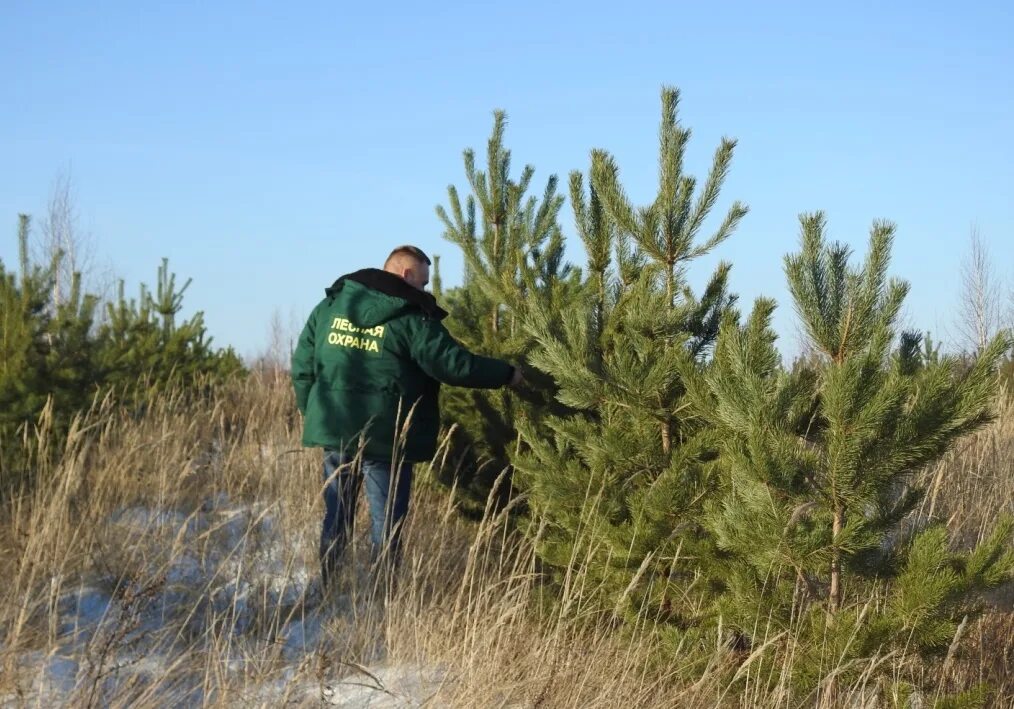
(267, 148)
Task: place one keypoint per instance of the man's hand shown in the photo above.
(517, 379)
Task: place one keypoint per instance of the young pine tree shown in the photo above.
(52, 354)
(619, 480)
(143, 348)
(513, 253)
(47, 355)
(818, 466)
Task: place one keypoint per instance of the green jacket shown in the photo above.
(370, 351)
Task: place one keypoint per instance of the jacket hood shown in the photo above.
(384, 296)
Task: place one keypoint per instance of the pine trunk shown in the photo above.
(670, 286)
(496, 263)
(834, 600)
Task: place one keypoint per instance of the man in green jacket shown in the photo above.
(367, 373)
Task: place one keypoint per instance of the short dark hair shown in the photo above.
(413, 251)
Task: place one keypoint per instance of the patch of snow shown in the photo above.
(82, 610)
(302, 635)
(223, 568)
(145, 520)
(382, 687)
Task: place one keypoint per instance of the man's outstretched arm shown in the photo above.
(441, 357)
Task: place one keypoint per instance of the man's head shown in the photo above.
(410, 264)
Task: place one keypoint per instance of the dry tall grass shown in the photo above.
(163, 563)
(969, 488)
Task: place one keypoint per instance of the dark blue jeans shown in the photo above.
(387, 495)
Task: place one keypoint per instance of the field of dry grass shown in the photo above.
(970, 488)
(164, 561)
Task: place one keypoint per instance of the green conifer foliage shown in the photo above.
(816, 514)
(143, 348)
(513, 252)
(23, 317)
(47, 354)
(620, 479)
(54, 356)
